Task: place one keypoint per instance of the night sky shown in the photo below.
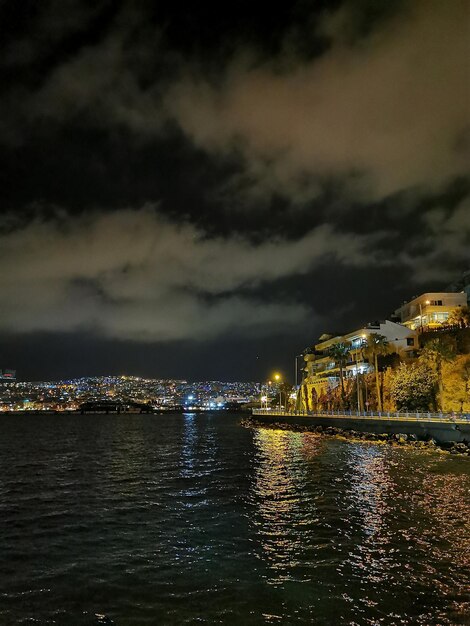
(200, 190)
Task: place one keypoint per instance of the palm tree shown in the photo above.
(435, 353)
(339, 352)
(304, 389)
(460, 317)
(377, 345)
(314, 399)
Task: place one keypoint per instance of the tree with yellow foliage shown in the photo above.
(435, 353)
(456, 385)
(460, 317)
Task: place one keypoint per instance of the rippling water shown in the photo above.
(193, 519)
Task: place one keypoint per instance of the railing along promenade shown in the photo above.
(414, 416)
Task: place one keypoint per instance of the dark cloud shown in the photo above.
(375, 113)
(372, 113)
(444, 240)
(135, 275)
(278, 167)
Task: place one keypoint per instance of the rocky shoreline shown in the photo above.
(399, 439)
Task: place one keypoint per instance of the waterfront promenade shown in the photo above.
(424, 425)
(397, 415)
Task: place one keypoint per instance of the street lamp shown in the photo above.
(297, 369)
(427, 303)
(277, 378)
(264, 394)
(362, 339)
(266, 397)
(296, 377)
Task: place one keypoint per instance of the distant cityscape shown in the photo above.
(404, 334)
(127, 392)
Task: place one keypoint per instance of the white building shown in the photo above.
(430, 310)
(321, 369)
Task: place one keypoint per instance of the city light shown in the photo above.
(128, 393)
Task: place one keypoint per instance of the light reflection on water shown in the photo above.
(394, 530)
(194, 519)
(283, 514)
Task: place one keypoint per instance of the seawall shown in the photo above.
(442, 430)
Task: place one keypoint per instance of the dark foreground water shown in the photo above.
(133, 520)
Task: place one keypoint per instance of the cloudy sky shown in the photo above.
(200, 190)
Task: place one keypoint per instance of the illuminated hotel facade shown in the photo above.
(322, 372)
(430, 310)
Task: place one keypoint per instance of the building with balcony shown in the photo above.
(322, 372)
(430, 310)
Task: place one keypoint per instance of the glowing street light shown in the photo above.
(427, 303)
(363, 338)
(277, 378)
(265, 397)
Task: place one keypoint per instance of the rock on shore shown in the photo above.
(398, 439)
